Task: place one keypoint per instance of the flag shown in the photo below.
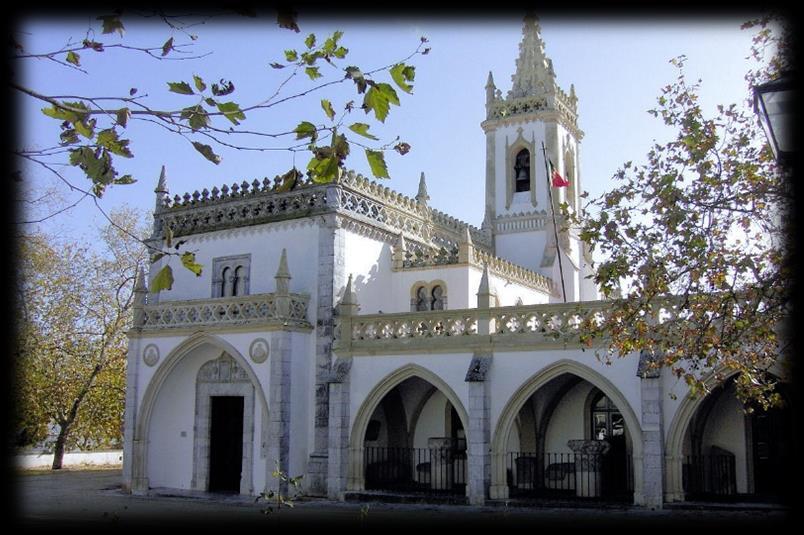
(557, 179)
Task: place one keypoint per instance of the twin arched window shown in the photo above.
(429, 297)
(230, 275)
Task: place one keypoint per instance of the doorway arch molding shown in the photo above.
(499, 485)
(140, 482)
(356, 479)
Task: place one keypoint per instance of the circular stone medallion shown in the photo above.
(258, 351)
(150, 355)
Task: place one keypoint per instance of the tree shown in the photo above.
(74, 308)
(92, 129)
(699, 234)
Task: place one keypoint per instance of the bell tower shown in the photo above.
(536, 123)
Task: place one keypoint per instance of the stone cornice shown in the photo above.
(560, 116)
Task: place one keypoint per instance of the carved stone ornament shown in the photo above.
(478, 368)
(150, 355)
(340, 370)
(258, 351)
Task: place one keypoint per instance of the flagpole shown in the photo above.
(555, 227)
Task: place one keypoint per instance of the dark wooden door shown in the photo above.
(225, 443)
(771, 432)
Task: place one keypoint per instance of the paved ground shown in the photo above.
(92, 499)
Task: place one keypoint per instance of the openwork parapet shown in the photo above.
(290, 310)
(455, 330)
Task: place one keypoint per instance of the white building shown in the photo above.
(370, 343)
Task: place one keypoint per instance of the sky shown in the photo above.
(618, 67)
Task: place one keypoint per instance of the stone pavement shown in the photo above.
(93, 499)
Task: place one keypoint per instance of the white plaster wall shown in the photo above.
(264, 243)
(431, 420)
(567, 422)
(369, 262)
(507, 292)
(522, 248)
(170, 444)
(725, 428)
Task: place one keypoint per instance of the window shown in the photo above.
(522, 171)
(607, 422)
(428, 296)
(230, 275)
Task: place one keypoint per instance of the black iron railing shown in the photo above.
(420, 470)
(569, 475)
(709, 475)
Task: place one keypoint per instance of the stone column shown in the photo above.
(479, 433)
(130, 416)
(339, 414)
(278, 450)
(652, 433)
(331, 257)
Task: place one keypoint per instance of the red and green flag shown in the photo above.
(557, 180)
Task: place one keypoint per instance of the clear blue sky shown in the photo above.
(617, 67)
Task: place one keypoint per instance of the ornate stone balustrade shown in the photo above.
(460, 330)
(260, 309)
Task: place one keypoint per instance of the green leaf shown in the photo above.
(355, 74)
(108, 138)
(324, 170)
(156, 257)
(73, 58)
(86, 129)
(112, 23)
(291, 55)
(306, 129)
(96, 164)
(163, 280)
(196, 116)
(402, 74)
(376, 160)
(207, 152)
(310, 41)
(326, 105)
(167, 47)
(188, 261)
(182, 88)
(379, 98)
(122, 116)
(232, 111)
(199, 83)
(362, 129)
(124, 180)
(312, 72)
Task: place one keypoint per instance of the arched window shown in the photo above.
(522, 171)
(422, 302)
(607, 421)
(438, 298)
(238, 281)
(226, 285)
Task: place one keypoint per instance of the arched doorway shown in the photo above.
(409, 437)
(728, 451)
(567, 433)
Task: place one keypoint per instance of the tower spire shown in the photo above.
(422, 197)
(534, 70)
(161, 188)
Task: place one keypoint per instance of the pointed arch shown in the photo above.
(530, 387)
(674, 443)
(149, 399)
(356, 477)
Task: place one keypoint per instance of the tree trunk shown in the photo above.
(58, 452)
